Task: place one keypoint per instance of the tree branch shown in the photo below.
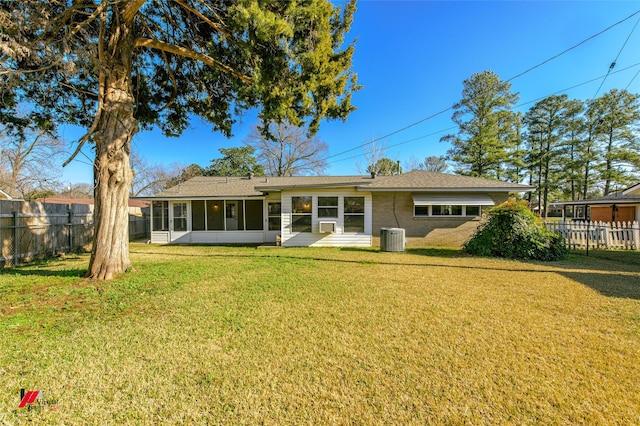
(187, 53)
(131, 9)
(208, 21)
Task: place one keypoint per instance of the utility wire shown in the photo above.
(391, 134)
(511, 108)
(511, 79)
(633, 78)
(577, 45)
(613, 64)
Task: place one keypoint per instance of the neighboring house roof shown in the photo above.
(634, 190)
(630, 195)
(5, 196)
(87, 201)
(417, 180)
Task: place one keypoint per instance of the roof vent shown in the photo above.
(373, 175)
(250, 175)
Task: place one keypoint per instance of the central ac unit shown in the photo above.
(327, 227)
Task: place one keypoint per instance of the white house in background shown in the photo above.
(434, 209)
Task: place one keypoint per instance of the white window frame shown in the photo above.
(363, 213)
(464, 211)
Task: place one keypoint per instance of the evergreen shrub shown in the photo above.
(512, 231)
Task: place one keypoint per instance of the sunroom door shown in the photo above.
(179, 223)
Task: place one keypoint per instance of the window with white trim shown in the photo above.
(447, 211)
(275, 219)
(354, 214)
(302, 208)
(327, 207)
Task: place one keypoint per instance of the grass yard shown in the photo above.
(227, 335)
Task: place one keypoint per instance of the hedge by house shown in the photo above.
(511, 230)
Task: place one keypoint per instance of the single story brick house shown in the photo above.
(435, 209)
(622, 206)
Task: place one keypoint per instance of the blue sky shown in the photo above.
(411, 58)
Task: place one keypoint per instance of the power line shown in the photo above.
(578, 85)
(633, 78)
(392, 133)
(511, 108)
(613, 64)
(511, 79)
(577, 45)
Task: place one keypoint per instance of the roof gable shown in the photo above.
(634, 190)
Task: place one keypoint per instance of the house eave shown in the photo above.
(608, 202)
(510, 190)
(201, 197)
(309, 186)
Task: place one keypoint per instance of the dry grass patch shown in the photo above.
(278, 336)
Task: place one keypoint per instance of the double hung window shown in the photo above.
(274, 211)
(327, 207)
(302, 208)
(353, 214)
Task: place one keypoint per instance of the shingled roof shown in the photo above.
(417, 180)
(420, 180)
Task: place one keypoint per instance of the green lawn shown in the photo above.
(227, 335)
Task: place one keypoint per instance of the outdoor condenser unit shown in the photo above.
(391, 239)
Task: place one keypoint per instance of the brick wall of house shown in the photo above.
(395, 210)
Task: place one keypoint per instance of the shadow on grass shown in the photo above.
(609, 283)
(36, 272)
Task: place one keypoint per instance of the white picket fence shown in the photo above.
(603, 235)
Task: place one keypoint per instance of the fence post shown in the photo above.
(70, 213)
(16, 246)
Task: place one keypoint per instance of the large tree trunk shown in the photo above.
(112, 170)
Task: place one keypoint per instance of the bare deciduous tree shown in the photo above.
(149, 179)
(30, 159)
(373, 152)
(287, 150)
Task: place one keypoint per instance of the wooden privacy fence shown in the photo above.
(32, 230)
(603, 235)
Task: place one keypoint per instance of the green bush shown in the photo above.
(511, 230)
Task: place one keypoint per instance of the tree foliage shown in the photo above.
(287, 150)
(115, 66)
(385, 167)
(619, 113)
(186, 173)
(567, 148)
(239, 161)
(545, 123)
(435, 163)
(510, 230)
(485, 126)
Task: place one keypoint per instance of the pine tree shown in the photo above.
(545, 123)
(620, 112)
(485, 126)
